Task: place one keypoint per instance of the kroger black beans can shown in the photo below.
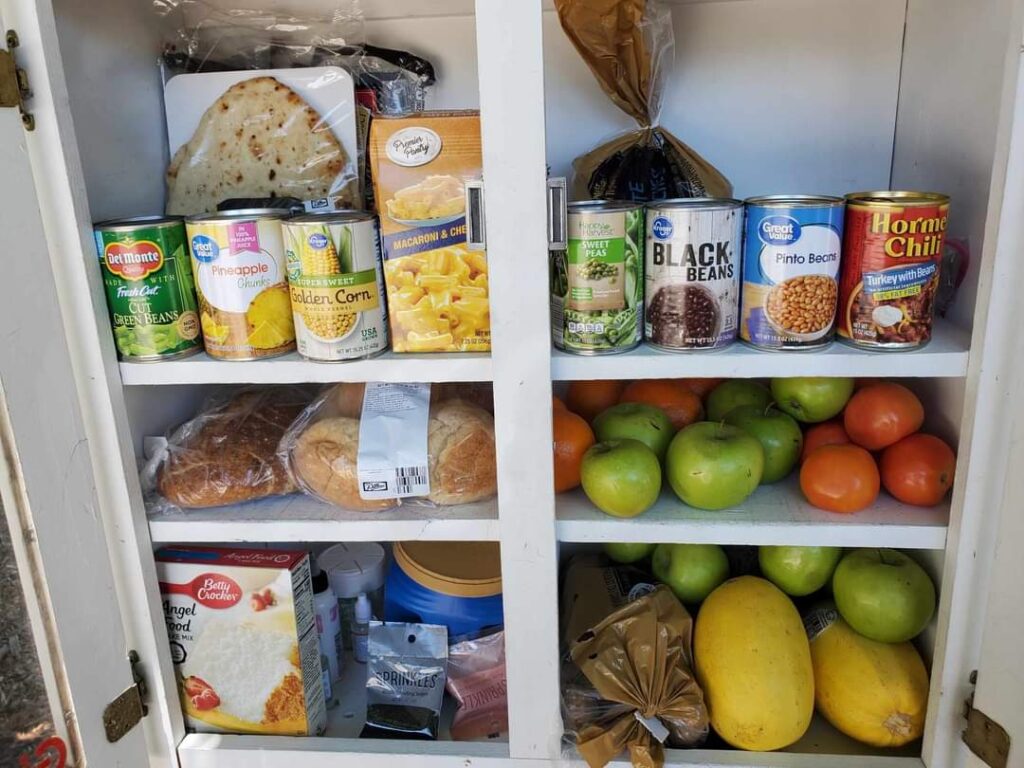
(692, 273)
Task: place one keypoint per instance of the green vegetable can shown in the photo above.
(597, 281)
(150, 291)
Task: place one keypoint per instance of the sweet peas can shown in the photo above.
(892, 249)
(791, 259)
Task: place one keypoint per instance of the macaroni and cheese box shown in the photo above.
(437, 288)
(243, 639)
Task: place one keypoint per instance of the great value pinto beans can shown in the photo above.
(692, 273)
(892, 249)
(337, 285)
(239, 265)
(791, 258)
(596, 283)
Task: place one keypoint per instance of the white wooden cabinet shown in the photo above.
(815, 96)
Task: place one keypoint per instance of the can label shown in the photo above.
(239, 265)
(692, 276)
(597, 282)
(890, 274)
(336, 286)
(150, 291)
(791, 258)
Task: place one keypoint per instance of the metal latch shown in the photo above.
(14, 88)
(984, 736)
(124, 712)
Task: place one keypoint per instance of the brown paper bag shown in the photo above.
(629, 46)
(640, 657)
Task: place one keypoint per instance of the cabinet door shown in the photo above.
(47, 472)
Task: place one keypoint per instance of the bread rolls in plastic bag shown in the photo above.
(322, 448)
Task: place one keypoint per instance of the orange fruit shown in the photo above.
(882, 414)
(825, 433)
(557, 404)
(681, 405)
(572, 437)
(700, 387)
(589, 398)
(840, 478)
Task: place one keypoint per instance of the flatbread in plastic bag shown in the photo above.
(629, 46)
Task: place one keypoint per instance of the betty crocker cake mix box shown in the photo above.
(243, 639)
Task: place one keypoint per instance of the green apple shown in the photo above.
(812, 398)
(714, 466)
(778, 433)
(799, 571)
(690, 570)
(636, 421)
(628, 552)
(621, 477)
(734, 393)
(883, 594)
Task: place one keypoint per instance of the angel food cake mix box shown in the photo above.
(243, 639)
(436, 283)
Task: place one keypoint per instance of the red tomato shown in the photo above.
(826, 433)
(840, 478)
(918, 470)
(880, 414)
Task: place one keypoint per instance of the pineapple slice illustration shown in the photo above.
(269, 318)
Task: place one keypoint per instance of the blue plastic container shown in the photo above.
(457, 585)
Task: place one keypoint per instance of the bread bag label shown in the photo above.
(392, 459)
(437, 286)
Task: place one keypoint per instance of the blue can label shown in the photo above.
(791, 260)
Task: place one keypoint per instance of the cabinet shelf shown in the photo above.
(945, 356)
(294, 369)
(301, 518)
(774, 514)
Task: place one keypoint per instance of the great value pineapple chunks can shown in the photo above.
(336, 285)
(239, 266)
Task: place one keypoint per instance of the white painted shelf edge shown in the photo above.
(774, 514)
(945, 356)
(302, 518)
(294, 369)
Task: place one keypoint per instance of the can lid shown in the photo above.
(461, 569)
(795, 201)
(602, 206)
(134, 222)
(704, 203)
(898, 197)
(331, 217)
(353, 568)
(240, 213)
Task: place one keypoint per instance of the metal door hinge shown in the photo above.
(124, 712)
(14, 87)
(984, 736)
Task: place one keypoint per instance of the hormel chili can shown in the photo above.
(692, 273)
(892, 249)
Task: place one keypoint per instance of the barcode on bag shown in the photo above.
(411, 481)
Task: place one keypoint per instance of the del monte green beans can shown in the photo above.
(597, 281)
(150, 291)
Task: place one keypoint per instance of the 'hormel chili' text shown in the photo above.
(892, 250)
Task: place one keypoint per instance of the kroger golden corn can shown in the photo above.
(336, 285)
(239, 265)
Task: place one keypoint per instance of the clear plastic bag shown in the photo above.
(629, 46)
(322, 446)
(477, 681)
(225, 454)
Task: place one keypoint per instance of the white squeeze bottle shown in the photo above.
(361, 628)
